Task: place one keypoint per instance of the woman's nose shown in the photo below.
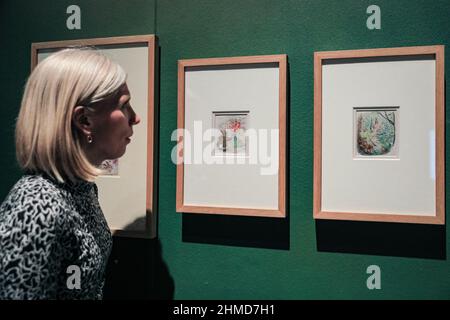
(134, 119)
(137, 119)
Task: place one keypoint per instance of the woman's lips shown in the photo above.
(129, 137)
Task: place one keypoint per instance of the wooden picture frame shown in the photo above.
(127, 221)
(221, 92)
(388, 78)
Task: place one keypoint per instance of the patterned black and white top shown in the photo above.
(49, 234)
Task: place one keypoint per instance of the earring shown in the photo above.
(89, 138)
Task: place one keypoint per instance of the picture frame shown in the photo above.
(132, 213)
(379, 135)
(237, 98)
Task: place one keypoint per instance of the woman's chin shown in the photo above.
(117, 154)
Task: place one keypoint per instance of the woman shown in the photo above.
(75, 114)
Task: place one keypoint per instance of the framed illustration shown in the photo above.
(127, 187)
(379, 135)
(232, 136)
(231, 140)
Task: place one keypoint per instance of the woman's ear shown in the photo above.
(81, 117)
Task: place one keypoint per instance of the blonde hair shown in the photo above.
(46, 138)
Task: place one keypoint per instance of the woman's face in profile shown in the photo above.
(114, 125)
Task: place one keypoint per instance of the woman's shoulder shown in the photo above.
(37, 187)
(38, 194)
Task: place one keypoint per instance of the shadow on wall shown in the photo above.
(380, 238)
(271, 233)
(136, 270)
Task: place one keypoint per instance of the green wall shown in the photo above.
(220, 257)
